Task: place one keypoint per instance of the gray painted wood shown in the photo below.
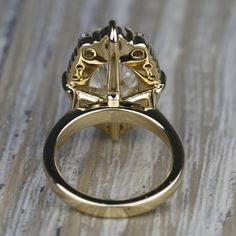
(195, 44)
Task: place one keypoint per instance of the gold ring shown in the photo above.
(124, 95)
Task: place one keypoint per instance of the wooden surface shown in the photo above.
(195, 42)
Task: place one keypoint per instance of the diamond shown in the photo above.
(128, 81)
(98, 81)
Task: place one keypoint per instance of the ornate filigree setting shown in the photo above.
(113, 67)
(113, 47)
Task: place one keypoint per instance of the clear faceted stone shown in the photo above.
(98, 81)
(128, 83)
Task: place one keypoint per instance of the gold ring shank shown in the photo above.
(76, 120)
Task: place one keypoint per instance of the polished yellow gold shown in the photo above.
(115, 82)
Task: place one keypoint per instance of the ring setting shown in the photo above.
(115, 82)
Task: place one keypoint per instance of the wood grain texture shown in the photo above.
(195, 44)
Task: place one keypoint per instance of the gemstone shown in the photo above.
(98, 81)
(128, 81)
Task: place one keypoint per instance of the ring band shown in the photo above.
(115, 113)
(75, 120)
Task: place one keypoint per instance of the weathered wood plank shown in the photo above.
(195, 43)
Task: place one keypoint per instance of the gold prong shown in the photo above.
(113, 95)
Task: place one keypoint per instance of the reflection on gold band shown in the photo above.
(77, 120)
